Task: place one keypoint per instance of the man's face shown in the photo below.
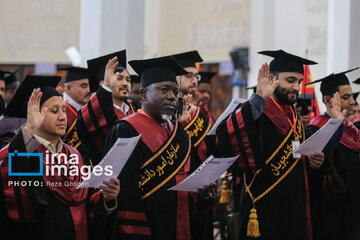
(9, 94)
(54, 124)
(289, 86)
(356, 113)
(78, 90)
(135, 96)
(161, 99)
(188, 82)
(203, 92)
(122, 87)
(2, 89)
(346, 99)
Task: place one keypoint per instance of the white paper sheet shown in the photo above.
(116, 157)
(320, 138)
(207, 173)
(230, 108)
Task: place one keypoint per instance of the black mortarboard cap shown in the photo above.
(153, 70)
(333, 81)
(96, 67)
(206, 77)
(9, 78)
(3, 74)
(75, 73)
(286, 62)
(17, 107)
(188, 59)
(357, 81)
(135, 78)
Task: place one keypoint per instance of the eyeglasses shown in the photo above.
(192, 75)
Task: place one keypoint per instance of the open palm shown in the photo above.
(265, 87)
(35, 117)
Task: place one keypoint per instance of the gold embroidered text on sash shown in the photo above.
(71, 138)
(278, 165)
(165, 163)
(197, 128)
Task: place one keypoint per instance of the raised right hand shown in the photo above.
(110, 75)
(265, 87)
(334, 109)
(35, 117)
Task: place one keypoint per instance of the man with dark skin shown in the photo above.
(146, 209)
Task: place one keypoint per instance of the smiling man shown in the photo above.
(106, 106)
(274, 200)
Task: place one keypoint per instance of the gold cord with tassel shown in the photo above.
(253, 225)
(253, 229)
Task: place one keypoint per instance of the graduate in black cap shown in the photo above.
(190, 80)
(274, 200)
(134, 97)
(147, 210)
(203, 94)
(77, 90)
(197, 127)
(197, 122)
(336, 185)
(77, 94)
(54, 208)
(107, 105)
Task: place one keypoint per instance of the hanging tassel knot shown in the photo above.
(253, 225)
(225, 193)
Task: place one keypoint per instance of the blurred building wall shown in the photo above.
(38, 31)
(212, 27)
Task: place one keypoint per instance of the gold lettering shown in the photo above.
(198, 128)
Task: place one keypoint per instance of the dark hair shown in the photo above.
(275, 73)
(330, 91)
(11, 86)
(119, 69)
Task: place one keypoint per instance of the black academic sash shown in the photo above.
(278, 165)
(165, 163)
(197, 128)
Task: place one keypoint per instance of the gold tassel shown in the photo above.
(225, 193)
(253, 225)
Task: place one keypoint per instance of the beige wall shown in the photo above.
(211, 26)
(38, 31)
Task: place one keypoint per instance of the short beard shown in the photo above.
(121, 98)
(281, 95)
(166, 117)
